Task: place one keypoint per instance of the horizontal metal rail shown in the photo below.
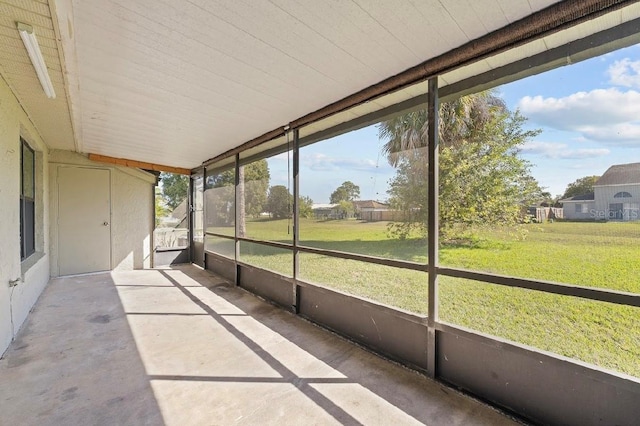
(597, 294)
(589, 293)
(404, 264)
(214, 234)
(286, 246)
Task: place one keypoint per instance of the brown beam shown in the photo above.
(138, 164)
(544, 22)
(554, 18)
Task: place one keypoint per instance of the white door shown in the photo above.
(84, 220)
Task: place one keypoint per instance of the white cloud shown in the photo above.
(324, 163)
(554, 150)
(623, 134)
(606, 115)
(625, 73)
(584, 153)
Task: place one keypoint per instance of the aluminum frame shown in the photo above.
(339, 308)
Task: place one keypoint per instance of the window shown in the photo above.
(486, 184)
(623, 194)
(27, 201)
(616, 210)
(582, 208)
(220, 210)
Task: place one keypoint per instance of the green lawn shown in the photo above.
(590, 254)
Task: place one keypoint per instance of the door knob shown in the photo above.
(105, 223)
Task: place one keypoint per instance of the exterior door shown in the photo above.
(84, 220)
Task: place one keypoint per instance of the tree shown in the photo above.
(252, 191)
(483, 180)
(346, 208)
(581, 186)
(161, 209)
(175, 188)
(219, 197)
(348, 191)
(305, 206)
(256, 185)
(252, 194)
(279, 202)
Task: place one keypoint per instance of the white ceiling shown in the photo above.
(177, 82)
(50, 116)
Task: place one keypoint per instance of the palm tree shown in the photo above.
(482, 179)
(459, 120)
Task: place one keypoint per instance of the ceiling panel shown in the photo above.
(50, 117)
(178, 82)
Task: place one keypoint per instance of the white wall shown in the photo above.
(604, 196)
(132, 206)
(33, 273)
(132, 216)
(569, 210)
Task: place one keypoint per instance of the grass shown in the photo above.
(588, 254)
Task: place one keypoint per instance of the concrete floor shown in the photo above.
(182, 347)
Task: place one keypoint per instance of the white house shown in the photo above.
(325, 211)
(578, 207)
(616, 196)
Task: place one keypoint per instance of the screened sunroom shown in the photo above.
(416, 178)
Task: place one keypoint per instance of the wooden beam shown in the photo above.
(138, 164)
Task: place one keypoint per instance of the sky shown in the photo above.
(589, 114)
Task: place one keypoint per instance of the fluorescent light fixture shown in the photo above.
(31, 43)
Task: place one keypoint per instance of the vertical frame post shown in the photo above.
(152, 252)
(236, 213)
(204, 218)
(433, 226)
(190, 203)
(296, 218)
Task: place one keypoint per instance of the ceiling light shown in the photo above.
(31, 43)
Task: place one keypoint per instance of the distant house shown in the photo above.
(373, 211)
(579, 207)
(542, 214)
(325, 211)
(616, 196)
(369, 210)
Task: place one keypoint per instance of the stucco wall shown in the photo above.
(131, 211)
(604, 196)
(133, 225)
(569, 210)
(32, 275)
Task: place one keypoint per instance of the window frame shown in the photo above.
(623, 194)
(27, 223)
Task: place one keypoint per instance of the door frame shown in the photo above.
(194, 249)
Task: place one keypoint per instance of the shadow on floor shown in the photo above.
(182, 346)
(75, 361)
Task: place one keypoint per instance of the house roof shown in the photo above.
(620, 174)
(319, 206)
(584, 197)
(371, 204)
(180, 212)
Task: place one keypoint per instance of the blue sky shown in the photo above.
(589, 114)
